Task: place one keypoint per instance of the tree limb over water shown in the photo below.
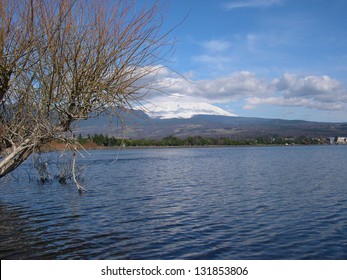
(66, 60)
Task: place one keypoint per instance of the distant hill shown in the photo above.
(138, 125)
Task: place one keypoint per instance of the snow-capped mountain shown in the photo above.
(183, 110)
(139, 125)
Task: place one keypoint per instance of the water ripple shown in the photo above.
(231, 203)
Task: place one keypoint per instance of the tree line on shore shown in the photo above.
(110, 141)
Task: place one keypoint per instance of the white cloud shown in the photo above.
(215, 55)
(214, 62)
(253, 102)
(317, 86)
(234, 86)
(216, 45)
(225, 89)
(251, 4)
(313, 92)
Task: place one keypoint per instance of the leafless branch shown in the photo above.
(66, 60)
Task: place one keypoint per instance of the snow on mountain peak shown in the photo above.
(183, 110)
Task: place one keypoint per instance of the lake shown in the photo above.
(184, 203)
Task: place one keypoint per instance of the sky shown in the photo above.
(260, 58)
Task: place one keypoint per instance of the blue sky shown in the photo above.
(263, 58)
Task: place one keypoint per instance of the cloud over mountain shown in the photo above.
(289, 90)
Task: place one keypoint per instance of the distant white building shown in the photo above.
(331, 140)
(341, 140)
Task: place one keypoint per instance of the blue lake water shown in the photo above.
(184, 203)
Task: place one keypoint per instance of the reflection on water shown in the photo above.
(220, 203)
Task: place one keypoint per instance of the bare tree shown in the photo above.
(66, 60)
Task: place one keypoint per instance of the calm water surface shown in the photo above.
(215, 203)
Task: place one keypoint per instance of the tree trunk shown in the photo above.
(15, 158)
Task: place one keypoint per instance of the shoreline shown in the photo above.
(96, 147)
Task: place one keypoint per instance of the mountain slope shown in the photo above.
(139, 125)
